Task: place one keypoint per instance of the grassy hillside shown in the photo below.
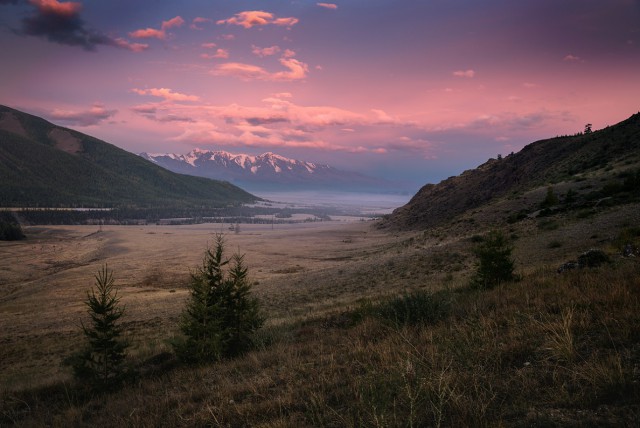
(45, 165)
(583, 163)
(548, 350)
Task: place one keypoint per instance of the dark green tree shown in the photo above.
(10, 229)
(221, 316)
(550, 199)
(495, 264)
(101, 363)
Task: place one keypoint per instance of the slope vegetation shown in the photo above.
(42, 164)
(589, 161)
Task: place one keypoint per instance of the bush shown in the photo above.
(495, 264)
(416, 308)
(10, 229)
(593, 258)
(220, 317)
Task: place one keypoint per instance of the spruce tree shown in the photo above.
(220, 316)
(495, 264)
(101, 363)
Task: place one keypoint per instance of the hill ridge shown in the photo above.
(42, 164)
(540, 163)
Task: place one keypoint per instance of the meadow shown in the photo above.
(364, 327)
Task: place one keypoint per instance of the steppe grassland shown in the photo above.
(44, 281)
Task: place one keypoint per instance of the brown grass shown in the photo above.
(549, 350)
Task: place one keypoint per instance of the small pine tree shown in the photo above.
(220, 317)
(495, 264)
(101, 363)
(550, 200)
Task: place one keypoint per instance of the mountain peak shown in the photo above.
(266, 171)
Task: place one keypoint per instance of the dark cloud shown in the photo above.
(96, 114)
(64, 28)
(9, 1)
(61, 23)
(255, 121)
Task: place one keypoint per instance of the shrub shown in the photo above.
(495, 264)
(416, 308)
(555, 244)
(220, 317)
(10, 229)
(593, 258)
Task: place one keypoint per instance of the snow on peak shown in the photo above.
(270, 160)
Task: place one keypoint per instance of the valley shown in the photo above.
(375, 316)
(54, 268)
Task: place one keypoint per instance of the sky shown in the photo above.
(407, 90)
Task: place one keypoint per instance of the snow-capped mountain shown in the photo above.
(267, 171)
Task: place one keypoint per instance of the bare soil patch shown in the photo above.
(65, 141)
(9, 122)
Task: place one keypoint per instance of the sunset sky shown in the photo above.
(413, 90)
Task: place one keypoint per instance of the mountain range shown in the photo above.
(42, 164)
(268, 171)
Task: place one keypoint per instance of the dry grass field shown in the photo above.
(44, 281)
(548, 350)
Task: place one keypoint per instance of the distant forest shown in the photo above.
(131, 216)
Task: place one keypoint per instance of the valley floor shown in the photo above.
(44, 280)
(548, 350)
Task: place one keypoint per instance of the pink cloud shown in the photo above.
(417, 146)
(148, 33)
(207, 134)
(296, 70)
(133, 47)
(382, 116)
(54, 7)
(153, 33)
(195, 24)
(328, 5)
(96, 114)
(253, 18)
(145, 108)
(241, 71)
(465, 73)
(286, 22)
(220, 53)
(209, 45)
(166, 93)
(279, 122)
(262, 52)
(172, 23)
(572, 58)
